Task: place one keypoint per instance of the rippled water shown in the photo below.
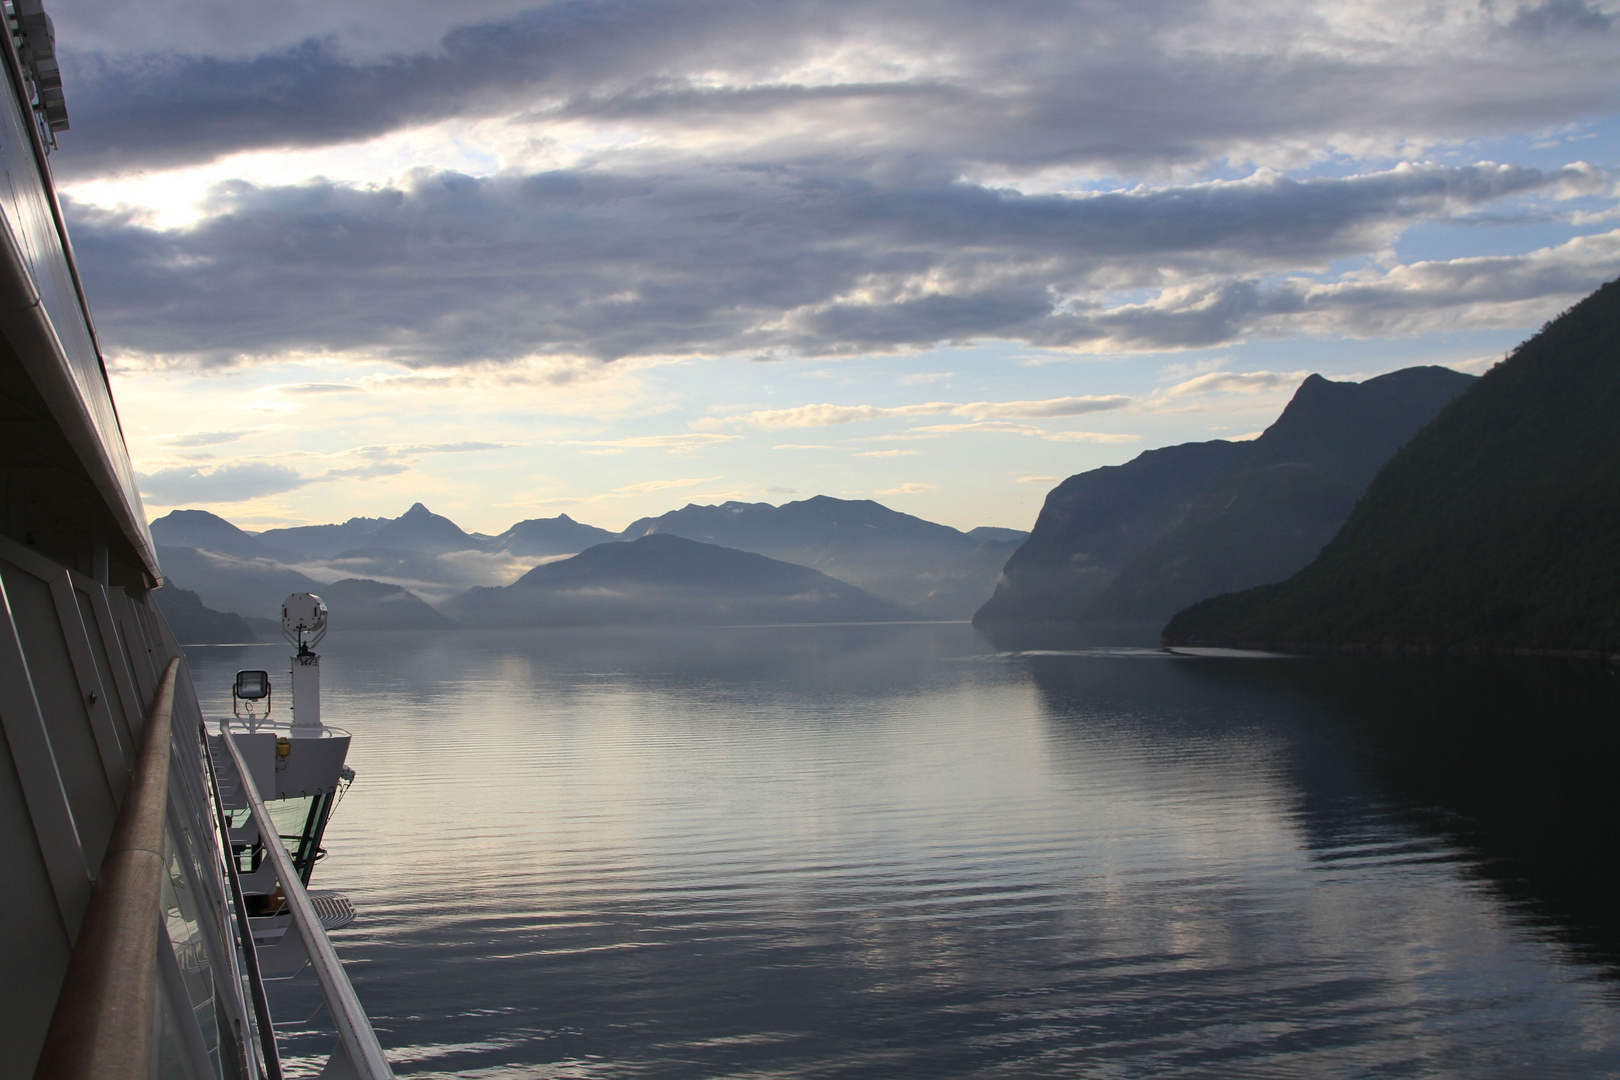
(893, 852)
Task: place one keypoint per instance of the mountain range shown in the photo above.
(1120, 546)
(933, 569)
(662, 578)
(927, 568)
(1496, 528)
(1133, 543)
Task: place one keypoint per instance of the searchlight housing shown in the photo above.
(303, 623)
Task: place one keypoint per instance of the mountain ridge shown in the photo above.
(665, 579)
(1133, 543)
(1496, 528)
(934, 568)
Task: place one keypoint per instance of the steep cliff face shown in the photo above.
(1136, 542)
(1274, 512)
(1095, 523)
(1498, 526)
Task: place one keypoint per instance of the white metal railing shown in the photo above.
(356, 1040)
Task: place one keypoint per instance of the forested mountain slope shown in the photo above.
(1297, 486)
(1133, 543)
(1497, 527)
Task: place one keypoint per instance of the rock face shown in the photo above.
(665, 579)
(195, 624)
(931, 568)
(1134, 543)
(1498, 526)
(1298, 484)
(1095, 523)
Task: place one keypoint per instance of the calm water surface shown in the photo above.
(894, 852)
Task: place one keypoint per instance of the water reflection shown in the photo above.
(1513, 761)
(887, 851)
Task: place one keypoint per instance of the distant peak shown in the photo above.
(189, 515)
(417, 510)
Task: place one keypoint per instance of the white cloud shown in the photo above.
(830, 415)
(1236, 382)
(1090, 437)
(888, 453)
(908, 489)
(671, 443)
(1008, 428)
(647, 487)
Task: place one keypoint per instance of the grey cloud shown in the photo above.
(1558, 18)
(1477, 293)
(160, 110)
(448, 269)
(207, 438)
(321, 388)
(234, 482)
(947, 84)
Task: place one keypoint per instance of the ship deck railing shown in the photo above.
(162, 978)
(357, 1054)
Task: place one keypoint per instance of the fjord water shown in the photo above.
(891, 851)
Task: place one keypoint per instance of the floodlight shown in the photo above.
(250, 688)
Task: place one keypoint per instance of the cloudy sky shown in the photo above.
(606, 257)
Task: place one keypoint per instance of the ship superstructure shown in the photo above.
(134, 838)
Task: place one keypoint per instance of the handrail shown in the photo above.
(244, 932)
(103, 1018)
(355, 1036)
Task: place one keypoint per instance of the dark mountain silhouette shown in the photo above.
(324, 541)
(1134, 543)
(1299, 483)
(195, 624)
(209, 532)
(362, 604)
(1093, 524)
(420, 529)
(560, 535)
(247, 586)
(931, 568)
(1497, 527)
(996, 534)
(663, 579)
